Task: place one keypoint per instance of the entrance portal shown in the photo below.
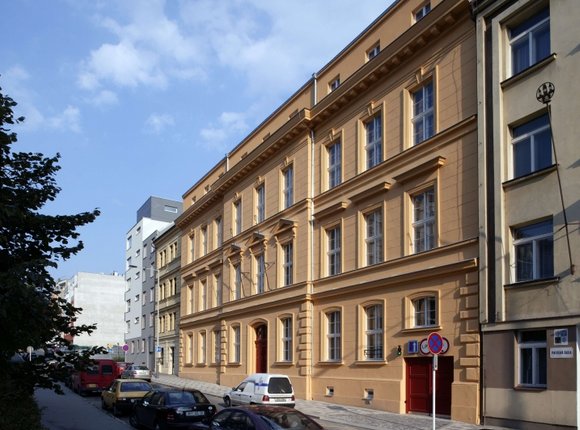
(420, 385)
(261, 349)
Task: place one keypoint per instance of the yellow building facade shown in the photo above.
(342, 232)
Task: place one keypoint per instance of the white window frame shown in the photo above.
(218, 289)
(374, 141)
(333, 335)
(373, 52)
(424, 311)
(260, 273)
(424, 227)
(286, 339)
(236, 351)
(528, 37)
(219, 231)
(536, 246)
(237, 217)
(204, 244)
(288, 264)
(288, 190)
(202, 348)
(237, 281)
(423, 106)
(334, 250)
(536, 139)
(260, 203)
(203, 295)
(536, 348)
(373, 223)
(374, 346)
(334, 84)
(334, 164)
(422, 11)
(217, 351)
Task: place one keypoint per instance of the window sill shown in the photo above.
(538, 173)
(530, 389)
(533, 282)
(234, 364)
(330, 363)
(421, 329)
(201, 365)
(188, 365)
(370, 362)
(527, 72)
(282, 364)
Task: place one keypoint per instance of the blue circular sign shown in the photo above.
(435, 343)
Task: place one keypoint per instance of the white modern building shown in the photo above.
(100, 297)
(155, 215)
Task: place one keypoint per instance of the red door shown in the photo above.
(261, 349)
(420, 385)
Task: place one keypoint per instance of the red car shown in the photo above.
(95, 378)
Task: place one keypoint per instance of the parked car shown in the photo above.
(258, 417)
(137, 371)
(171, 409)
(123, 393)
(262, 388)
(121, 367)
(95, 378)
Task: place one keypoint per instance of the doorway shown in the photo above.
(420, 385)
(261, 348)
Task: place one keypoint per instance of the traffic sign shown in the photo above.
(435, 343)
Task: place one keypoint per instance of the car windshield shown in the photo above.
(288, 420)
(135, 386)
(180, 397)
(279, 386)
(139, 368)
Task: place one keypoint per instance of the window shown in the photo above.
(171, 209)
(189, 356)
(374, 237)
(534, 251)
(334, 250)
(373, 348)
(260, 273)
(286, 339)
(424, 10)
(202, 344)
(236, 344)
(532, 358)
(204, 240)
(218, 232)
(424, 312)
(217, 350)
(288, 187)
(203, 293)
(373, 148)
(129, 243)
(218, 289)
(143, 320)
(532, 147)
(237, 217)
(288, 265)
(424, 221)
(237, 282)
(260, 203)
(423, 117)
(334, 164)
(373, 52)
(334, 84)
(530, 41)
(333, 336)
(151, 319)
(191, 247)
(128, 307)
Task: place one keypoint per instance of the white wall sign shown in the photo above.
(562, 352)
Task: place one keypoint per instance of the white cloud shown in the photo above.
(231, 125)
(68, 119)
(104, 98)
(159, 122)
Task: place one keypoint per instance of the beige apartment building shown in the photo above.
(529, 179)
(343, 230)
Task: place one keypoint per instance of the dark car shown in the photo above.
(171, 409)
(258, 417)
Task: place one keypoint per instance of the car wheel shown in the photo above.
(227, 402)
(134, 421)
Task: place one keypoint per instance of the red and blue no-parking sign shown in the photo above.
(435, 343)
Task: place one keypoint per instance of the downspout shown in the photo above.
(311, 271)
(314, 93)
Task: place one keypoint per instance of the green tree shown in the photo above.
(31, 243)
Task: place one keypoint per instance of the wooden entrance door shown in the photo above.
(261, 349)
(420, 385)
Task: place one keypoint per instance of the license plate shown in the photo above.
(280, 400)
(91, 385)
(194, 413)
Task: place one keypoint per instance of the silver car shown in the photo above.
(137, 371)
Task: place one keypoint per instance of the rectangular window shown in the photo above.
(191, 247)
(534, 251)
(334, 250)
(151, 319)
(288, 187)
(334, 84)
(143, 322)
(532, 147)
(189, 357)
(425, 9)
(218, 289)
(373, 148)
(374, 237)
(333, 336)
(423, 114)
(288, 266)
(218, 232)
(260, 273)
(425, 312)
(203, 294)
(202, 344)
(217, 348)
(530, 41)
(424, 221)
(204, 240)
(260, 203)
(532, 359)
(236, 344)
(287, 339)
(373, 52)
(237, 217)
(334, 164)
(373, 349)
(237, 282)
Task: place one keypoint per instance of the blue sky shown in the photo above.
(141, 98)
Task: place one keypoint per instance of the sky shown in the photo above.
(142, 97)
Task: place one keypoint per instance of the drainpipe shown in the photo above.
(311, 274)
(314, 94)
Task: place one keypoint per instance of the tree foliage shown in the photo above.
(31, 243)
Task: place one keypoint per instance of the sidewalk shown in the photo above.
(358, 418)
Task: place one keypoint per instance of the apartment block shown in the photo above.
(338, 235)
(529, 189)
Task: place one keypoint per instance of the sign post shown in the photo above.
(435, 343)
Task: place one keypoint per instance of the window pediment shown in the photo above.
(283, 226)
(256, 240)
(331, 210)
(371, 192)
(422, 169)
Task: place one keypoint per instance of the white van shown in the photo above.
(262, 389)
